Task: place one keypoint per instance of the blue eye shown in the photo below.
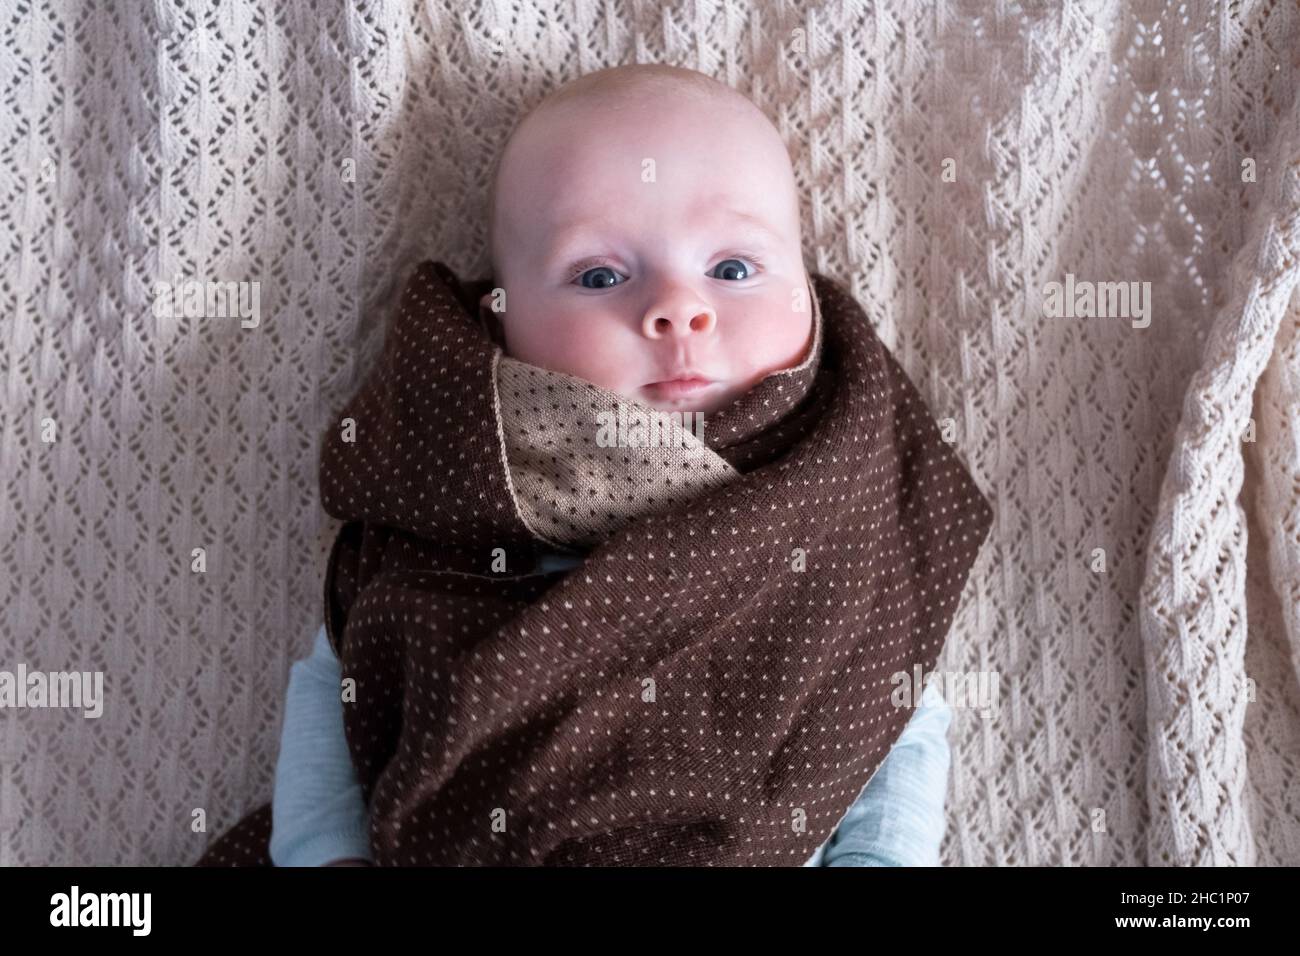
(603, 277)
(732, 269)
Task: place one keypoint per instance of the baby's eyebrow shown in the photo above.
(756, 223)
(561, 246)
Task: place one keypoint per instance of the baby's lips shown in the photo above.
(680, 388)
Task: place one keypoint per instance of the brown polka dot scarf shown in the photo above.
(711, 685)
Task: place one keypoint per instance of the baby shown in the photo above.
(645, 238)
(628, 261)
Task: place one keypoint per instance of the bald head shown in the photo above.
(621, 91)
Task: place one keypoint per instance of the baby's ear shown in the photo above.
(491, 320)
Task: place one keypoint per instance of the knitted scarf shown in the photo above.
(712, 686)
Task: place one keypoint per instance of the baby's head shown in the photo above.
(645, 228)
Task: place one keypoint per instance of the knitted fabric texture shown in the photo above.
(713, 686)
(584, 460)
(953, 157)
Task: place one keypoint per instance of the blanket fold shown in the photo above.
(714, 685)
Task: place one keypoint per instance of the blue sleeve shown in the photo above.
(898, 820)
(318, 813)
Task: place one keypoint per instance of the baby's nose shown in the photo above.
(668, 324)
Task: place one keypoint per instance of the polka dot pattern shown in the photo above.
(710, 687)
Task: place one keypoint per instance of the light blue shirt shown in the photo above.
(319, 814)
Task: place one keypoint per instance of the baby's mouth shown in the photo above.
(679, 388)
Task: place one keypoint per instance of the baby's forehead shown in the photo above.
(600, 140)
(655, 141)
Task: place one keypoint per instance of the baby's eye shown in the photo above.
(602, 277)
(732, 269)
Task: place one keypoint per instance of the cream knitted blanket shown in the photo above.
(980, 175)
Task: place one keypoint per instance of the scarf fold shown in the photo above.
(713, 685)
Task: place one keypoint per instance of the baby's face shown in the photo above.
(653, 249)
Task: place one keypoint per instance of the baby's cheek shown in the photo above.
(589, 350)
(775, 338)
(599, 362)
